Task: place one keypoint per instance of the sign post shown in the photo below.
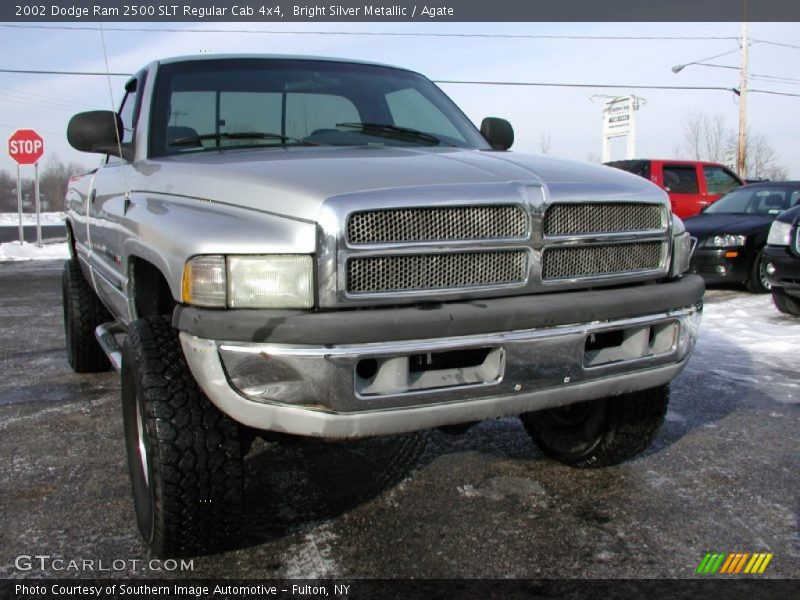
(26, 147)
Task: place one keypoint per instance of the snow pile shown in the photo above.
(13, 251)
(752, 322)
(746, 339)
(46, 218)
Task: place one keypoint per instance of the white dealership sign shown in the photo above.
(619, 120)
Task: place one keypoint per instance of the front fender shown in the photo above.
(167, 230)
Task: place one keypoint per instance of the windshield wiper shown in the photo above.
(394, 131)
(238, 135)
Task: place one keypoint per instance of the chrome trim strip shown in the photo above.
(444, 344)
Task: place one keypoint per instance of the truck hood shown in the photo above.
(294, 182)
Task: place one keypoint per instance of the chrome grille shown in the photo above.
(577, 219)
(437, 224)
(398, 273)
(588, 261)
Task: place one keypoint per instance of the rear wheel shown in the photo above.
(602, 432)
(83, 312)
(758, 280)
(184, 455)
(785, 303)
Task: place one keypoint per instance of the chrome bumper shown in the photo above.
(328, 392)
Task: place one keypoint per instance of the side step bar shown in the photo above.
(105, 337)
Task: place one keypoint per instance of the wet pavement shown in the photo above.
(723, 476)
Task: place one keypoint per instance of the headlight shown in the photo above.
(269, 281)
(725, 241)
(780, 234)
(281, 281)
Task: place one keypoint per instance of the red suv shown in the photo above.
(691, 184)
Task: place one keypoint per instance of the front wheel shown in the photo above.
(184, 455)
(758, 280)
(785, 303)
(602, 432)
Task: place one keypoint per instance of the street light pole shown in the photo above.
(741, 150)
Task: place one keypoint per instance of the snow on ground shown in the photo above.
(47, 218)
(13, 251)
(745, 338)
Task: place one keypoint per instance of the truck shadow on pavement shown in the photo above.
(291, 485)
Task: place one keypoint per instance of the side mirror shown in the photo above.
(498, 132)
(98, 131)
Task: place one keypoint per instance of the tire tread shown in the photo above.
(195, 453)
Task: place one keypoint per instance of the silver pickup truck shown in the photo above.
(313, 247)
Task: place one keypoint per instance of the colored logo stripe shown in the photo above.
(758, 563)
(733, 563)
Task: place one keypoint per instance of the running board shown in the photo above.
(105, 337)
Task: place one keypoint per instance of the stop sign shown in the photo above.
(25, 146)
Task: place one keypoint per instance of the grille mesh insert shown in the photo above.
(437, 224)
(576, 219)
(585, 261)
(376, 274)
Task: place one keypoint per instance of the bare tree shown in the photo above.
(53, 182)
(705, 137)
(691, 146)
(8, 194)
(761, 159)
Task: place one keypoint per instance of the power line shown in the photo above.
(782, 44)
(44, 97)
(587, 85)
(612, 86)
(530, 36)
(35, 72)
(380, 34)
(455, 82)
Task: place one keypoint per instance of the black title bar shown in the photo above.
(273, 11)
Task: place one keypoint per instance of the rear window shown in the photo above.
(719, 180)
(637, 167)
(680, 179)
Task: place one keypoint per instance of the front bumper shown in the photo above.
(787, 269)
(714, 267)
(361, 388)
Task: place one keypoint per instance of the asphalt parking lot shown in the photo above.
(723, 475)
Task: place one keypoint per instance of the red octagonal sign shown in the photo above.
(25, 146)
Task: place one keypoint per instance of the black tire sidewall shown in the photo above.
(570, 443)
(754, 283)
(132, 405)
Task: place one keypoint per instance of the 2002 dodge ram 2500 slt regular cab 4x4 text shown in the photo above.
(314, 247)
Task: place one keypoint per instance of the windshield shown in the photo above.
(771, 200)
(213, 105)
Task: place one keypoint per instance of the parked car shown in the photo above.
(783, 261)
(731, 233)
(691, 184)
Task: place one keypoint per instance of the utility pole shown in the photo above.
(741, 150)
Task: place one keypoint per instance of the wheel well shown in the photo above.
(150, 291)
(73, 252)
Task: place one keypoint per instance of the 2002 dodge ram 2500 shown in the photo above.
(330, 248)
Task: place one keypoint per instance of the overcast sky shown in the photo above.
(567, 115)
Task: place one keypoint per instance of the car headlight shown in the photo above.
(725, 241)
(780, 234)
(268, 281)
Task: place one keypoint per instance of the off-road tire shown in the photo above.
(83, 312)
(785, 303)
(757, 281)
(602, 432)
(184, 455)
